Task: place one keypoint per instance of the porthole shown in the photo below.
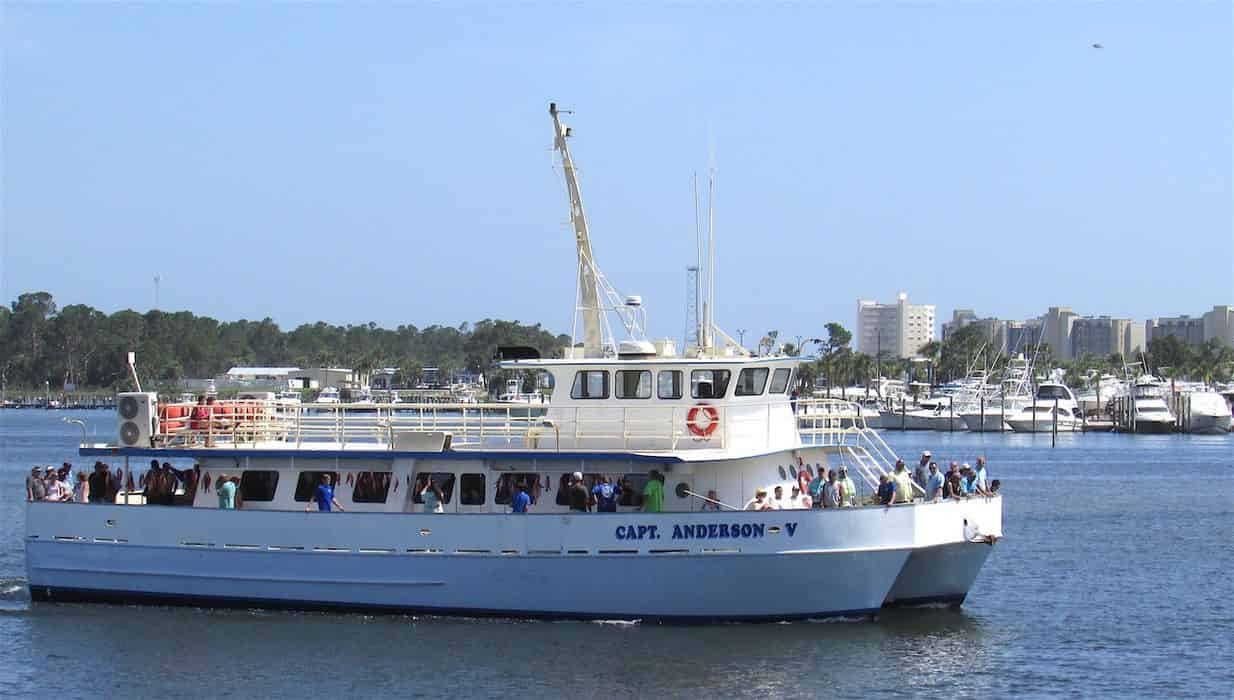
(792, 470)
(783, 474)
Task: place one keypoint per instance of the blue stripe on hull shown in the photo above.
(46, 594)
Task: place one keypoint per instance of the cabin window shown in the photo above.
(779, 380)
(370, 487)
(709, 383)
(633, 384)
(590, 384)
(444, 481)
(630, 490)
(507, 481)
(306, 484)
(669, 382)
(751, 381)
(258, 485)
(471, 490)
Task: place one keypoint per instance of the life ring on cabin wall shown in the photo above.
(706, 428)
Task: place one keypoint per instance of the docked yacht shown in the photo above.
(514, 394)
(328, 395)
(933, 413)
(1205, 412)
(429, 525)
(1151, 413)
(1054, 404)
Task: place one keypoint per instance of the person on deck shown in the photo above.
(934, 483)
(97, 483)
(36, 489)
(904, 483)
(886, 490)
(919, 475)
(56, 490)
(605, 496)
(324, 497)
(580, 498)
(520, 501)
(831, 491)
(81, 488)
(227, 493)
(848, 490)
(759, 502)
(431, 496)
(653, 493)
(982, 485)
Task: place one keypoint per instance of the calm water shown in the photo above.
(1114, 580)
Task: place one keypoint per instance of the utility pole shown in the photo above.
(741, 337)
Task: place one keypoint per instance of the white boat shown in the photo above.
(1151, 413)
(288, 397)
(716, 420)
(934, 413)
(328, 395)
(514, 394)
(1055, 403)
(1205, 412)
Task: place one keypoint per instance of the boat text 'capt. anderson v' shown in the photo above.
(712, 418)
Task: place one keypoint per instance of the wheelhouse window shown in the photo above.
(590, 384)
(307, 483)
(258, 485)
(506, 483)
(709, 383)
(630, 490)
(751, 381)
(471, 490)
(779, 380)
(668, 384)
(633, 384)
(444, 481)
(371, 487)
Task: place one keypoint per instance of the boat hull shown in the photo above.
(313, 561)
(1043, 426)
(941, 574)
(1208, 424)
(988, 423)
(1154, 427)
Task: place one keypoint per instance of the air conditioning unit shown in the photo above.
(138, 417)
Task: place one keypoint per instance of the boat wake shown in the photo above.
(12, 588)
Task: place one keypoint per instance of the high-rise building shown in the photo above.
(1021, 337)
(1056, 327)
(898, 329)
(1219, 324)
(959, 319)
(1104, 336)
(1185, 328)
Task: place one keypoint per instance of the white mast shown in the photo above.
(588, 292)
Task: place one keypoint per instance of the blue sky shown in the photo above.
(392, 162)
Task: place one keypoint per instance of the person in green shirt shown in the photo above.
(653, 493)
(848, 490)
(227, 493)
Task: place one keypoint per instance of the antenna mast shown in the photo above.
(589, 295)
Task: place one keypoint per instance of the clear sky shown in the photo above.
(392, 162)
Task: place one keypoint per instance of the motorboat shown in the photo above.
(514, 394)
(1150, 411)
(1205, 412)
(933, 413)
(1054, 405)
(328, 395)
(467, 512)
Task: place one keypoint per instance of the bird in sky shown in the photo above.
(1098, 46)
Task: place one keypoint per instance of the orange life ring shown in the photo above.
(713, 420)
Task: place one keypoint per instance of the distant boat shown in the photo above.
(1207, 413)
(1152, 415)
(1055, 402)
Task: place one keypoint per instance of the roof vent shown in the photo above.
(636, 348)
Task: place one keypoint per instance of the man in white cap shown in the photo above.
(580, 500)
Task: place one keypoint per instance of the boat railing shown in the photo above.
(657, 427)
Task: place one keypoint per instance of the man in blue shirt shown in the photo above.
(606, 496)
(968, 480)
(934, 483)
(981, 485)
(323, 496)
(520, 501)
(886, 490)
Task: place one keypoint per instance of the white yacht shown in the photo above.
(686, 439)
(987, 413)
(933, 413)
(328, 395)
(1151, 413)
(514, 394)
(1055, 403)
(1205, 412)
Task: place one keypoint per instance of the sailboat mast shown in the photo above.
(588, 291)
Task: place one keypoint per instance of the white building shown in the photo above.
(897, 330)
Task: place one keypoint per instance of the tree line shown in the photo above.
(82, 346)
